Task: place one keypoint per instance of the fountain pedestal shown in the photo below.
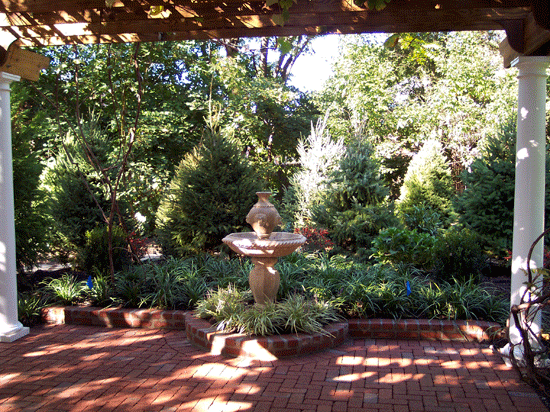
(264, 280)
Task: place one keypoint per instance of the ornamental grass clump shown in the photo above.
(99, 289)
(307, 315)
(29, 305)
(462, 300)
(67, 289)
(173, 284)
(232, 310)
(224, 272)
(262, 320)
(224, 307)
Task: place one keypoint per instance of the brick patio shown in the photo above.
(90, 368)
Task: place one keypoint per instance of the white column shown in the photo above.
(10, 328)
(530, 176)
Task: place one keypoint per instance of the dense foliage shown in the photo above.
(76, 199)
(450, 87)
(31, 207)
(407, 164)
(487, 204)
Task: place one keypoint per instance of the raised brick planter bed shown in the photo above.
(203, 335)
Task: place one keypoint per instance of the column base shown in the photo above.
(14, 334)
(510, 351)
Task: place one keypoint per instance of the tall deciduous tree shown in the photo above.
(449, 87)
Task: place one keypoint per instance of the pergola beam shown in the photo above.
(44, 22)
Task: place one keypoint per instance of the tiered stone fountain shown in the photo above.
(264, 247)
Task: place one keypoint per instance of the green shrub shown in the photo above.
(458, 254)
(209, 197)
(94, 254)
(75, 192)
(428, 182)
(32, 222)
(422, 219)
(396, 245)
(354, 229)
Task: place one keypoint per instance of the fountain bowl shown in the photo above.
(277, 245)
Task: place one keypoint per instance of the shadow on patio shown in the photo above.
(80, 368)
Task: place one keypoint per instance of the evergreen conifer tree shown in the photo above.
(487, 204)
(319, 157)
(356, 203)
(428, 182)
(209, 197)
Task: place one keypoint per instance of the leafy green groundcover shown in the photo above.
(314, 290)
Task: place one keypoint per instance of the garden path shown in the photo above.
(83, 368)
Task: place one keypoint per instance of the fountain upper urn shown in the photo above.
(263, 217)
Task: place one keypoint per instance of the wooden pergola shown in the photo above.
(25, 23)
(57, 22)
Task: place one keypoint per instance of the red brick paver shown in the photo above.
(80, 368)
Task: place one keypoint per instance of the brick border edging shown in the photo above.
(202, 334)
(425, 329)
(114, 317)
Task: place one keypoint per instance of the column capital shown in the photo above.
(8, 77)
(535, 65)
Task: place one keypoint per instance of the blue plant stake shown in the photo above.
(409, 291)
(90, 282)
